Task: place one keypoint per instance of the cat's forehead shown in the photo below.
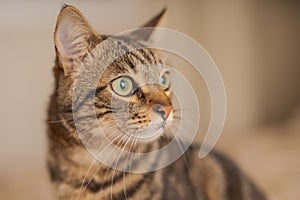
(122, 55)
(127, 45)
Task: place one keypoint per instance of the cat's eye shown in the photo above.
(165, 80)
(123, 86)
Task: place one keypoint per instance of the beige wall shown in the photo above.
(254, 44)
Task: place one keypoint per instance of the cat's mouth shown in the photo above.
(154, 130)
(148, 135)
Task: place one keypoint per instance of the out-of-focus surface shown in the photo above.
(270, 155)
(254, 43)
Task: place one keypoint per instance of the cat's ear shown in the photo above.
(73, 35)
(145, 34)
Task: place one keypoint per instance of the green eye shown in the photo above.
(123, 86)
(165, 81)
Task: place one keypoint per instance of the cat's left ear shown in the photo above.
(145, 34)
(73, 38)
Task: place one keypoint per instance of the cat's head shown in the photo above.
(133, 96)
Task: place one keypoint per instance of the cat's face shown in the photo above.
(133, 96)
(139, 95)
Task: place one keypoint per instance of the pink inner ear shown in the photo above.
(71, 38)
(64, 38)
(70, 43)
(60, 47)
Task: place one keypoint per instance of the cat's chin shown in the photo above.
(149, 134)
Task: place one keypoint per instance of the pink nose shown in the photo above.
(164, 111)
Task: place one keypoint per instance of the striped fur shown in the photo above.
(76, 174)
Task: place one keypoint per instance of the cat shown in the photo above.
(75, 173)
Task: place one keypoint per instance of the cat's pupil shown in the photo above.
(163, 79)
(122, 84)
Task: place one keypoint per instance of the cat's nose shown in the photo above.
(164, 111)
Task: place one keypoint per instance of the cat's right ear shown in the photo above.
(73, 35)
(148, 28)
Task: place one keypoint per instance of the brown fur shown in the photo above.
(77, 174)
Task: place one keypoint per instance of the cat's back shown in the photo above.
(214, 177)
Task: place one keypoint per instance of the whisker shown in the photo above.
(177, 117)
(112, 179)
(78, 117)
(82, 189)
(183, 109)
(176, 110)
(85, 176)
(59, 121)
(112, 161)
(127, 159)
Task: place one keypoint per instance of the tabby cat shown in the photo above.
(76, 173)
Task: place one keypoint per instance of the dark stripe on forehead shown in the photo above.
(130, 63)
(138, 51)
(142, 56)
(138, 57)
(127, 58)
(146, 55)
(127, 48)
(155, 57)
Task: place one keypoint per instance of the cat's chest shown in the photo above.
(177, 183)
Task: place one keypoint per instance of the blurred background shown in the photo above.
(255, 44)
